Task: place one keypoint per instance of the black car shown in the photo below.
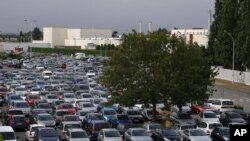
(166, 134)
(181, 118)
(220, 134)
(241, 112)
(227, 118)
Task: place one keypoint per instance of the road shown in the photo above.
(239, 98)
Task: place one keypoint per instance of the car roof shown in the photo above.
(6, 129)
(109, 129)
(76, 130)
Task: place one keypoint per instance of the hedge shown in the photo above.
(69, 51)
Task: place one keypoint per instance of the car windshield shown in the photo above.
(197, 133)
(210, 115)
(184, 127)
(45, 106)
(71, 118)
(95, 117)
(86, 96)
(122, 117)
(48, 133)
(68, 126)
(225, 131)
(154, 126)
(99, 126)
(62, 113)
(16, 112)
(3, 90)
(79, 134)
(51, 97)
(41, 83)
(34, 97)
(133, 112)
(20, 89)
(227, 103)
(15, 97)
(33, 129)
(235, 115)
(8, 135)
(18, 119)
(184, 116)
(214, 125)
(22, 105)
(87, 105)
(109, 112)
(69, 96)
(112, 134)
(169, 132)
(45, 117)
(84, 87)
(139, 133)
(67, 106)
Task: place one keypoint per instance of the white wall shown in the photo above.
(239, 77)
(58, 36)
(74, 33)
(92, 33)
(4, 46)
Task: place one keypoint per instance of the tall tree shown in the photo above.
(37, 34)
(151, 67)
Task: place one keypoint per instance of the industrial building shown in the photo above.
(198, 35)
(56, 37)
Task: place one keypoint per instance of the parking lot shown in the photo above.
(64, 93)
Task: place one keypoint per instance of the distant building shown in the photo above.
(73, 38)
(200, 36)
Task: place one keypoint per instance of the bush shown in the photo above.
(239, 107)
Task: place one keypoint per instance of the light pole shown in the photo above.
(233, 52)
(31, 34)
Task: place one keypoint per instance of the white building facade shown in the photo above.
(83, 38)
(200, 36)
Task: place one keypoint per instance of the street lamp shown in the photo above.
(31, 34)
(233, 52)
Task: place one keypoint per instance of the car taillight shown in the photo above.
(93, 131)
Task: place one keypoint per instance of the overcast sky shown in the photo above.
(120, 15)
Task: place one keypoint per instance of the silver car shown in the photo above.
(109, 134)
(137, 134)
(76, 134)
(45, 119)
(195, 135)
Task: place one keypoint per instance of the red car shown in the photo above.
(3, 91)
(71, 109)
(31, 99)
(197, 108)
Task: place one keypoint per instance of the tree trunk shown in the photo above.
(154, 112)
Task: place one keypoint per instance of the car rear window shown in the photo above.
(48, 133)
(227, 103)
(8, 135)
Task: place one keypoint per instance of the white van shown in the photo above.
(222, 104)
(47, 74)
(7, 133)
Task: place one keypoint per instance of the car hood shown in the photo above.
(211, 119)
(188, 121)
(141, 138)
(113, 138)
(79, 139)
(200, 138)
(49, 139)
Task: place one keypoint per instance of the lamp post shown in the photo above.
(230, 35)
(31, 34)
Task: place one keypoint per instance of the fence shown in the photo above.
(239, 76)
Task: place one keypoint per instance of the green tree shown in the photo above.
(151, 67)
(37, 34)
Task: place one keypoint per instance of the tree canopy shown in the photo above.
(153, 67)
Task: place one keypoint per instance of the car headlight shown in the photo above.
(226, 139)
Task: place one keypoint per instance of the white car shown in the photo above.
(208, 127)
(223, 105)
(195, 135)
(29, 134)
(208, 116)
(109, 134)
(137, 134)
(69, 97)
(76, 134)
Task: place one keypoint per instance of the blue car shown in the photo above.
(40, 84)
(120, 119)
(109, 114)
(91, 117)
(13, 97)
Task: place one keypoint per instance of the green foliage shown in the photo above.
(234, 17)
(68, 51)
(154, 66)
(37, 34)
(106, 47)
(1, 138)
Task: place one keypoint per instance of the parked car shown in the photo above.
(134, 115)
(108, 114)
(137, 134)
(45, 119)
(7, 133)
(29, 134)
(109, 134)
(208, 126)
(199, 107)
(64, 126)
(221, 134)
(123, 127)
(46, 134)
(195, 135)
(181, 117)
(76, 134)
(150, 127)
(228, 117)
(222, 105)
(166, 135)
(209, 116)
(17, 122)
(148, 115)
(95, 127)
